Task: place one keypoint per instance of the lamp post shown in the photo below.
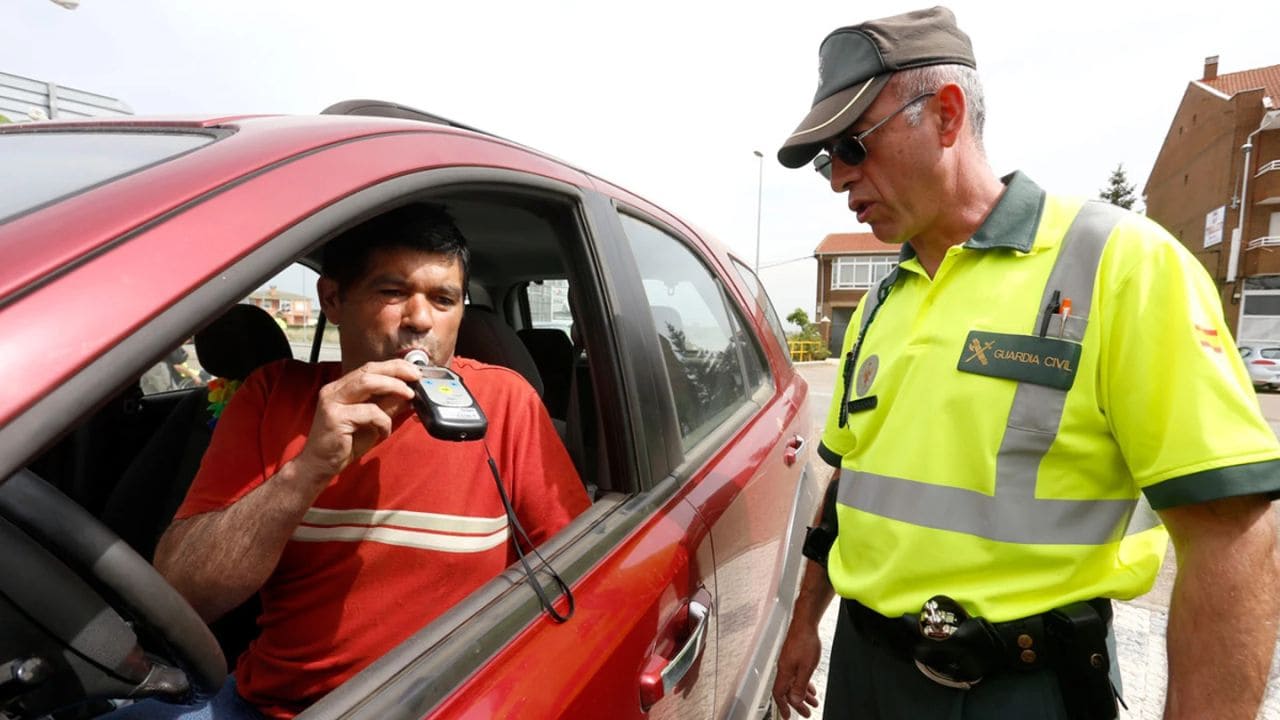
(759, 196)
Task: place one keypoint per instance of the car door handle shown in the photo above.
(660, 675)
(793, 450)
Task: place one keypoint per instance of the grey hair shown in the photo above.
(916, 81)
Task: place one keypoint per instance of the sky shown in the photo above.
(667, 99)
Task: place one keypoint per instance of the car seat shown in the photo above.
(553, 354)
(142, 505)
(483, 336)
(139, 509)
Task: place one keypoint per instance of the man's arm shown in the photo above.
(218, 559)
(802, 649)
(1222, 620)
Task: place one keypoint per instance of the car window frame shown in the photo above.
(768, 312)
(451, 648)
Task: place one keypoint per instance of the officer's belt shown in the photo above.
(1023, 645)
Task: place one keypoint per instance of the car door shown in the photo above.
(741, 445)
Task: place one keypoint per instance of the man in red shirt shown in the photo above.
(322, 491)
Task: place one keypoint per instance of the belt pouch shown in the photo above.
(1080, 635)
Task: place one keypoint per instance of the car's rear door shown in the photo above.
(740, 445)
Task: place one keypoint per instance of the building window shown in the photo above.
(860, 273)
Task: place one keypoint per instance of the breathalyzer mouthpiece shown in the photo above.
(418, 357)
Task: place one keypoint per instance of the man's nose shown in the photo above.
(417, 314)
(843, 175)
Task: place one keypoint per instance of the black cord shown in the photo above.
(515, 541)
(851, 359)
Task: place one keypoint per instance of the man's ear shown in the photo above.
(330, 299)
(952, 112)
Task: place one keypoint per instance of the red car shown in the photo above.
(656, 351)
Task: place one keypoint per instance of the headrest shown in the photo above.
(242, 340)
(664, 316)
(483, 336)
(548, 343)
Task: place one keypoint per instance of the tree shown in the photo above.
(808, 332)
(1119, 191)
(799, 318)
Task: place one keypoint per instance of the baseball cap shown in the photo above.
(855, 63)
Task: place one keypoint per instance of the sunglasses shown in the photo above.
(851, 149)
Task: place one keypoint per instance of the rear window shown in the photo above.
(41, 167)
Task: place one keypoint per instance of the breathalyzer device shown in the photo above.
(443, 402)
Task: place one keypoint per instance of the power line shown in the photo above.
(776, 263)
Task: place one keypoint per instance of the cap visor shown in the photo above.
(828, 119)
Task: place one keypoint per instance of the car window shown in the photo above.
(178, 370)
(58, 164)
(289, 298)
(713, 365)
(762, 297)
(549, 305)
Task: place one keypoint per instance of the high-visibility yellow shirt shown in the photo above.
(1160, 405)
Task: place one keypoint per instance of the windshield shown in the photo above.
(41, 167)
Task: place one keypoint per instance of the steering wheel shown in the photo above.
(74, 601)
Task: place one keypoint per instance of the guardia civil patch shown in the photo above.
(867, 374)
(1026, 358)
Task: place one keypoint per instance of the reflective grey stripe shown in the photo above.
(1012, 513)
(1000, 517)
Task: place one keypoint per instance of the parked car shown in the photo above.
(122, 239)
(1262, 357)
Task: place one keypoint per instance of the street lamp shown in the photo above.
(759, 195)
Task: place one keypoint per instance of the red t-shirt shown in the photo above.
(396, 539)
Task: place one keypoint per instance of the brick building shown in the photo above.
(1215, 185)
(849, 264)
(294, 309)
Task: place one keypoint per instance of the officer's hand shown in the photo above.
(801, 651)
(355, 412)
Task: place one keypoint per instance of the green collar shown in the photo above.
(1013, 221)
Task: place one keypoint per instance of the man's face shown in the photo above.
(890, 190)
(405, 299)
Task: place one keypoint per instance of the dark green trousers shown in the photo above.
(868, 682)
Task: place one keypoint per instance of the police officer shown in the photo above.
(1040, 395)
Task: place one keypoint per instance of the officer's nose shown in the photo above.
(843, 175)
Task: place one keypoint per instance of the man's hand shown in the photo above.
(801, 651)
(354, 413)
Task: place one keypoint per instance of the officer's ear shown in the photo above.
(952, 113)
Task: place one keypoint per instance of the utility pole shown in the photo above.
(759, 197)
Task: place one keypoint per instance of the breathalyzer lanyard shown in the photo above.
(851, 358)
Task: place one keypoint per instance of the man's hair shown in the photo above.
(427, 228)
(916, 81)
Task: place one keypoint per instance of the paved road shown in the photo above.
(1139, 623)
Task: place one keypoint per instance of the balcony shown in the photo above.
(1262, 256)
(1265, 187)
